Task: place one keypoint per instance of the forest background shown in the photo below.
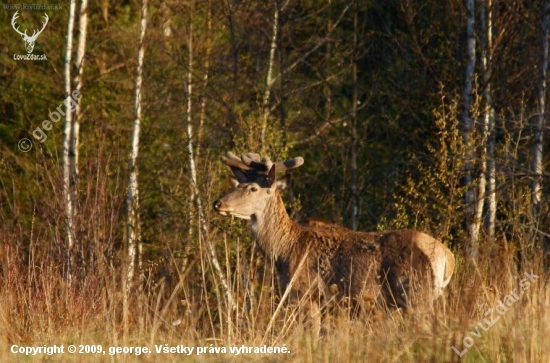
(428, 115)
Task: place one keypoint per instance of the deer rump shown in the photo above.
(362, 269)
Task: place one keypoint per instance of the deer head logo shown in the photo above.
(29, 40)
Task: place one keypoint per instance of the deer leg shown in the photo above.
(395, 288)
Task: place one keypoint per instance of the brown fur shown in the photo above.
(388, 266)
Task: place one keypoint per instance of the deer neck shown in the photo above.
(274, 230)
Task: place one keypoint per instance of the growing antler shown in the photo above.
(252, 168)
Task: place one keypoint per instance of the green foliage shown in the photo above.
(410, 151)
(431, 198)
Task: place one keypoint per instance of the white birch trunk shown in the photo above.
(67, 193)
(132, 197)
(486, 20)
(75, 130)
(481, 182)
(205, 78)
(540, 119)
(467, 125)
(269, 80)
(80, 54)
(194, 184)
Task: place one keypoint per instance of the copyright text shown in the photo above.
(139, 350)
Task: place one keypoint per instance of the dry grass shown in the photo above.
(38, 308)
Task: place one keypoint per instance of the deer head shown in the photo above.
(29, 40)
(255, 182)
(248, 199)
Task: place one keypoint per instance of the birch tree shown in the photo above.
(132, 196)
(488, 157)
(479, 184)
(80, 58)
(75, 129)
(205, 78)
(269, 80)
(540, 119)
(68, 195)
(195, 197)
(467, 128)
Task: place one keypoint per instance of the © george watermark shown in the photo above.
(25, 144)
(29, 40)
(502, 307)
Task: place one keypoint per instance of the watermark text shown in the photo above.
(493, 314)
(38, 133)
(36, 7)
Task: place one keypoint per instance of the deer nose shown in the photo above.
(217, 204)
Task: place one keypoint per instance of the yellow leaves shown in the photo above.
(431, 198)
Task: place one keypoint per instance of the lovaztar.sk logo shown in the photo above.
(29, 39)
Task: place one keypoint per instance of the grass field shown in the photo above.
(490, 313)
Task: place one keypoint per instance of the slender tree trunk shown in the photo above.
(133, 233)
(234, 66)
(540, 120)
(486, 20)
(205, 79)
(67, 141)
(195, 196)
(481, 182)
(282, 92)
(269, 80)
(194, 202)
(467, 127)
(75, 131)
(202, 115)
(80, 59)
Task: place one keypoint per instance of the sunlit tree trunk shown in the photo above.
(67, 141)
(133, 233)
(80, 59)
(486, 21)
(195, 197)
(269, 80)
(282, 91)
(467, 128)
(75, 131)
(540, 119)
(202, 113)
(205, 78)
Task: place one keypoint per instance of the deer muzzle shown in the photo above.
(225, 210)
(219, 207)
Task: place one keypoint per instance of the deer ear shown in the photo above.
(271, 178)
(284, 182)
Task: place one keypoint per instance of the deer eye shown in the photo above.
(254, 189)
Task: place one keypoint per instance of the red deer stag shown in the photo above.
(390, 267)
